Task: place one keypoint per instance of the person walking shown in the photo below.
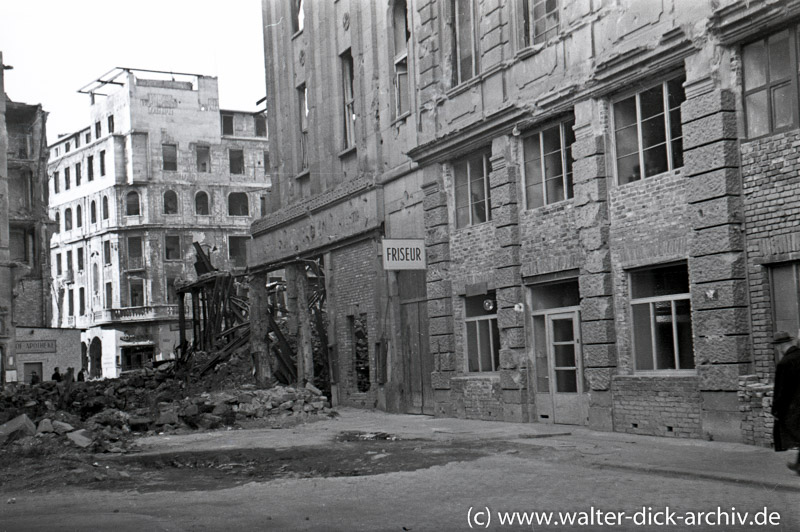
(56, 375)
(34, 378)
(786, 397)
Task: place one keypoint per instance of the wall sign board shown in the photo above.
(406, 254)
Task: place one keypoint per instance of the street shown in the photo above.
(421, 473)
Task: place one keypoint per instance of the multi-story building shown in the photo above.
(608, 195)
(343, 113)
(160, 167)
(25, 283)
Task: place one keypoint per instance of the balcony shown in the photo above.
(19, 146)
(134, 314)
(135, 263)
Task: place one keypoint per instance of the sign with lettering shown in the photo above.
(406, 254)
(36, 346)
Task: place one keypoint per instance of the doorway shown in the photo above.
(414, 326)
(560, 388)
(27, 371)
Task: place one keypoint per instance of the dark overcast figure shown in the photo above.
(786, 399)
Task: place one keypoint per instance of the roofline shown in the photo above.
(109, 78)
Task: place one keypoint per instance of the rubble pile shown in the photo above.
(100, 416)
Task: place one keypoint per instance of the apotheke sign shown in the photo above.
(407, 254)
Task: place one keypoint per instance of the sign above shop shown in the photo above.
(406, 254)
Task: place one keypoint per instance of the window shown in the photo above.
(266, 167)
(172, 247)
(262, 203)
(71, 302)
(770, 83)
(237, 250)
(539, 21)
(77, 174)
(105, 207)
(471, 176)
(56, 182)
(106, 252)
(464, 44)
(21, 245)
(81, 301)
(109, 295)
(69, 262)
(58, 264)
(80, 259)
(227, 124)
(90, 168)
(98, 131)
(238, 204)
(66, 147)
(136, 292)
(401, 37)
(349, 111)
(68, 219)
(67, 179)
(302, 108)
(135, 254)
(298, 16)
(96, 279)
(661, 317)
(236, 161)
(172, 292)
(261, 125)
(93, 212)
(785, 296)
(110, 124)
(102, 163)
(79, 216)
(58, 222)
(88, 137)
(483, 336)
(132, 203)
(56, 151)
(203, 159)
(201, 203)
(169, 155)
(647, 131)
(77, 141)
(170, 202)
(548, 165)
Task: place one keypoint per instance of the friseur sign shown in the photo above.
(406, 254)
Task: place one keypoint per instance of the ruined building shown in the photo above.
(160, 166)
(606, 191)
(24, 234)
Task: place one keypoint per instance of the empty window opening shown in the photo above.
(79, 216)
(77, 174)
(203, 159)
(136, 292)
(135, 253)
(109, 295)
(237, 250)
(201, 203)
(98, 130)
(238, 204)
(227, 124)
(106, 252)
(261, 125)
(79, 258)
(172, 247)
(169, 153)
(67, 179)
(81, 301)
(132, 203)
(68, 219)
(90, 168)
(105, 207)
(93, 212)
(110, 124)
(236, 161)
(102, 163)
(170, 202)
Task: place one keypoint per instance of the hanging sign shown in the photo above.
(406, 254)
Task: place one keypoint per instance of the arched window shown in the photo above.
(132, 204)
(58, 222)
(170, 202)
(201, 203)
(237, 204)
(93, 212)
(105, 207)
(79, 216)
(67, 219)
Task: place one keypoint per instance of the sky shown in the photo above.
(57, 46)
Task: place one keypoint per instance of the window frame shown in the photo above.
(485, 155)
(348, 100)
(668, 139)
(567, 160)
(207, 202)
(456, 48)
(227, 117)
(165, 202)
(168, 162)
(650, 301)
(492, 323)
(246, 203)
(231, 153)
(400, 59)
(527, 35)
(128, 203)
(167, 239)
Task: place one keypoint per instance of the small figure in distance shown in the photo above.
(786, 399)
(56, 375)
(81, 376)
(35, 378)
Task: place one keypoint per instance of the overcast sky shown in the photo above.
(57, 46)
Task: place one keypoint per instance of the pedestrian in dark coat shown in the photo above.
(786, 398)
(81, 376)
(56, 376)
(34, 378)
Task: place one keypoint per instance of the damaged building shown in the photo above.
(605, 191)
(27, 343)
(159, 167)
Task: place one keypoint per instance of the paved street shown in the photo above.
(520, 468)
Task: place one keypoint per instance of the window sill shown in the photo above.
(297, 34)
(344, 153)
(661, 373)
(305, 173)
(464, 86)
(401, 119)
(675, 172)
(478, 375)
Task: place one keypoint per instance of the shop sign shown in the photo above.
(405, 254)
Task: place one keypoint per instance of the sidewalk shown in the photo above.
(727, 462)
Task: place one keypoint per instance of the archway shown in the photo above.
(96, 358)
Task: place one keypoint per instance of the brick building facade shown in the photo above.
(606, 193)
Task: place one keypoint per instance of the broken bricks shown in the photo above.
(18, 427)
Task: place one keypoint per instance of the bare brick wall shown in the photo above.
(28, 309)
(771, 190)
(660, 406)
(356, 281)
(549, 239)
(473, 251)
(755, 405)
(477, 397)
